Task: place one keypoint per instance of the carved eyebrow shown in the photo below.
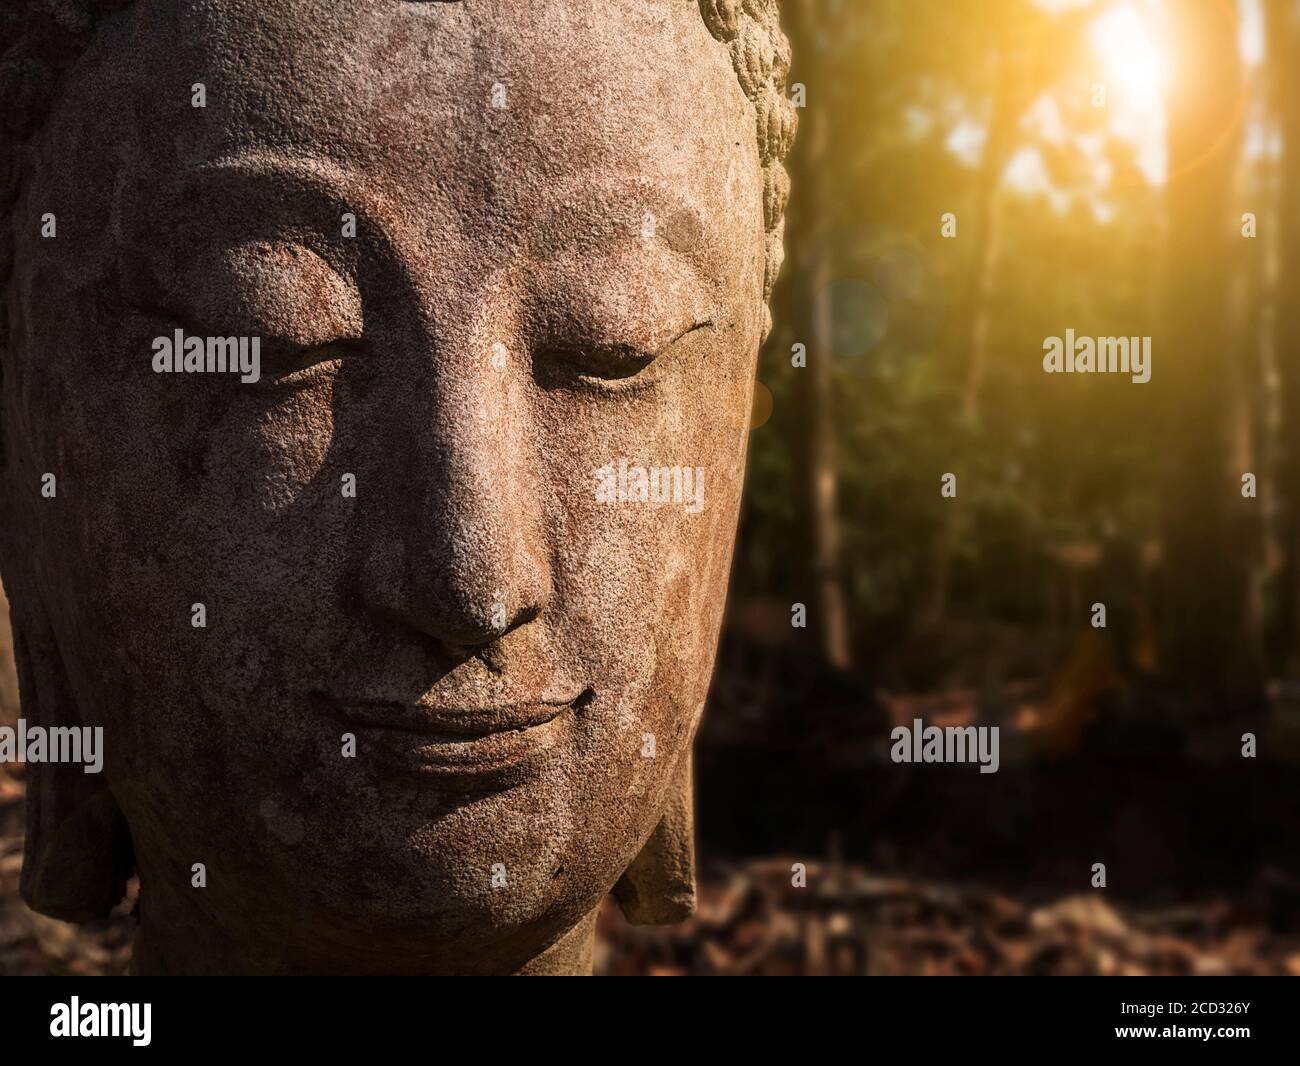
(306, 169)
(312, 185)
(591, 217)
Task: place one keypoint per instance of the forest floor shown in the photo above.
(753, 920)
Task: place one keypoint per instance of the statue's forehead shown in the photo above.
(496, 99)
(499, 114)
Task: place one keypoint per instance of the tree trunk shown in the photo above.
(811, 258)
(1283, 40)
(975, 316)
(985, 233)
(1205, 646)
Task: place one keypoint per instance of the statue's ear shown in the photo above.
(659, 887)
(77, 855)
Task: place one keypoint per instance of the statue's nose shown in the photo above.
(464, 556)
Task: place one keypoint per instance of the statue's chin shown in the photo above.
(351, 891)
(397, 927)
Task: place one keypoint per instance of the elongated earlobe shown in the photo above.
(659, 887)
(77, 855)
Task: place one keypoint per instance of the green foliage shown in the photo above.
(905, 89)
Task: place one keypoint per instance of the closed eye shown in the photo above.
(282, 359)
(609, 363)
(286, 364)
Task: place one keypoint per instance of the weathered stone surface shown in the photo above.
(564, 217)
(659, 887)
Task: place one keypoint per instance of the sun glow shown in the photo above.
(1134, 69)
(1134, 63)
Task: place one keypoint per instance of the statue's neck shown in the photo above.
(570, 956)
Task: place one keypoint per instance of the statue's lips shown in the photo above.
(476, 748)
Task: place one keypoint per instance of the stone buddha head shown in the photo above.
(375, 401)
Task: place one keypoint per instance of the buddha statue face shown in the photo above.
(399, 631)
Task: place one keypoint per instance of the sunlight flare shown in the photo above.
(1131, 54)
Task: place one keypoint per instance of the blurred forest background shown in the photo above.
(1115, 167)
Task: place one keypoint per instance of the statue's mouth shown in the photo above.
(462, 749)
